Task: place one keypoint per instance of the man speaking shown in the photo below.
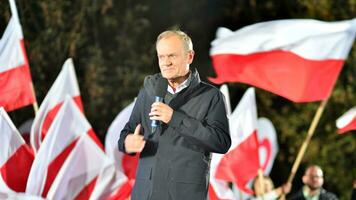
(176, 123)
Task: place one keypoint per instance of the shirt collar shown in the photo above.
(308, 196)
(181, 86)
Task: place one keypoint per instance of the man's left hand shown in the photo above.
(161, 112)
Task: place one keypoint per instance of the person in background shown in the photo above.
(313, 180)
(264, 189)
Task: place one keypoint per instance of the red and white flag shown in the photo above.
(125, 165)
(16, 87)
(241, 163)
(299, 59)
(68, 125)
(79, 173)
(15, 156)
(65, 84)
(347, 122)
(267, 144)
(219, 189)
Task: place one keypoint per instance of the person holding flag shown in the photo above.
(175, 153)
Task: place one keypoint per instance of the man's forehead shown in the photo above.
(314, 171)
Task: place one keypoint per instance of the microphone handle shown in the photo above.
(155, 123)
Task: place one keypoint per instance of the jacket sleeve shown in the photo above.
(131, 124)
(211, 133)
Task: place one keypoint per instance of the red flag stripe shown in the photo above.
(349, 127)
(16, 88)
(53, 112)
(87, 190)
(16, 169)
(275, 70)
(239, 165)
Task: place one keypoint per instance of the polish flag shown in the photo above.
(347, 122)
(78, 176)
(65, 84)
(16, 87)
(219, 189)
(241, 163)
(68, 125)
(15, 156)
(299, 59)
(126, 165)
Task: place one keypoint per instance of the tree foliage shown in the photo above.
(112, 44)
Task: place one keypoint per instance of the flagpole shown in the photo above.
(34, 104)
(306, 142)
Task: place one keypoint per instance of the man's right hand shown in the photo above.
(134, 143)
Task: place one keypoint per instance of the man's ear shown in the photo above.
(191, 56)
(305, 179)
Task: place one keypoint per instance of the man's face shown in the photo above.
(173, 58)
(313, 178)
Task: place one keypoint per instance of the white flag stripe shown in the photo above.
(246, 109)
(225, 90)
(346, 118)
(68, 125)
(81, 167)
(299, 36)
(11, 55)
(10, 138)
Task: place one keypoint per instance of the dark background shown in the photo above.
(112, 45)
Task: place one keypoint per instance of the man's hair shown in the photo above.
(187, 41)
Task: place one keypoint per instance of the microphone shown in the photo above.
(160, 92)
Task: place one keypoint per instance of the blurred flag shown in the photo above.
(347, 122)
(15, 156)
(299, 59)
(125, 165)
(268, 144)
(68, 125)
(241, 163)
(79, 173)
(65, 84)
(16, 87)
(219, 189)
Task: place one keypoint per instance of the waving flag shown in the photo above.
(347, 122)
(67, 127)
(299, 59)
(241, 163)
(65, 84)
(16, 87)
(15, 156)
(79, 174)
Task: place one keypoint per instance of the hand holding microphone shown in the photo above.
(159, 110)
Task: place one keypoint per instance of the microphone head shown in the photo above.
(161, 87)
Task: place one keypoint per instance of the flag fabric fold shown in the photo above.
(65, 84)
(68, 125)
(241, 163)
(79, 173)
(16, 87)
(347, 122)
(15, 156)
(299, 59)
